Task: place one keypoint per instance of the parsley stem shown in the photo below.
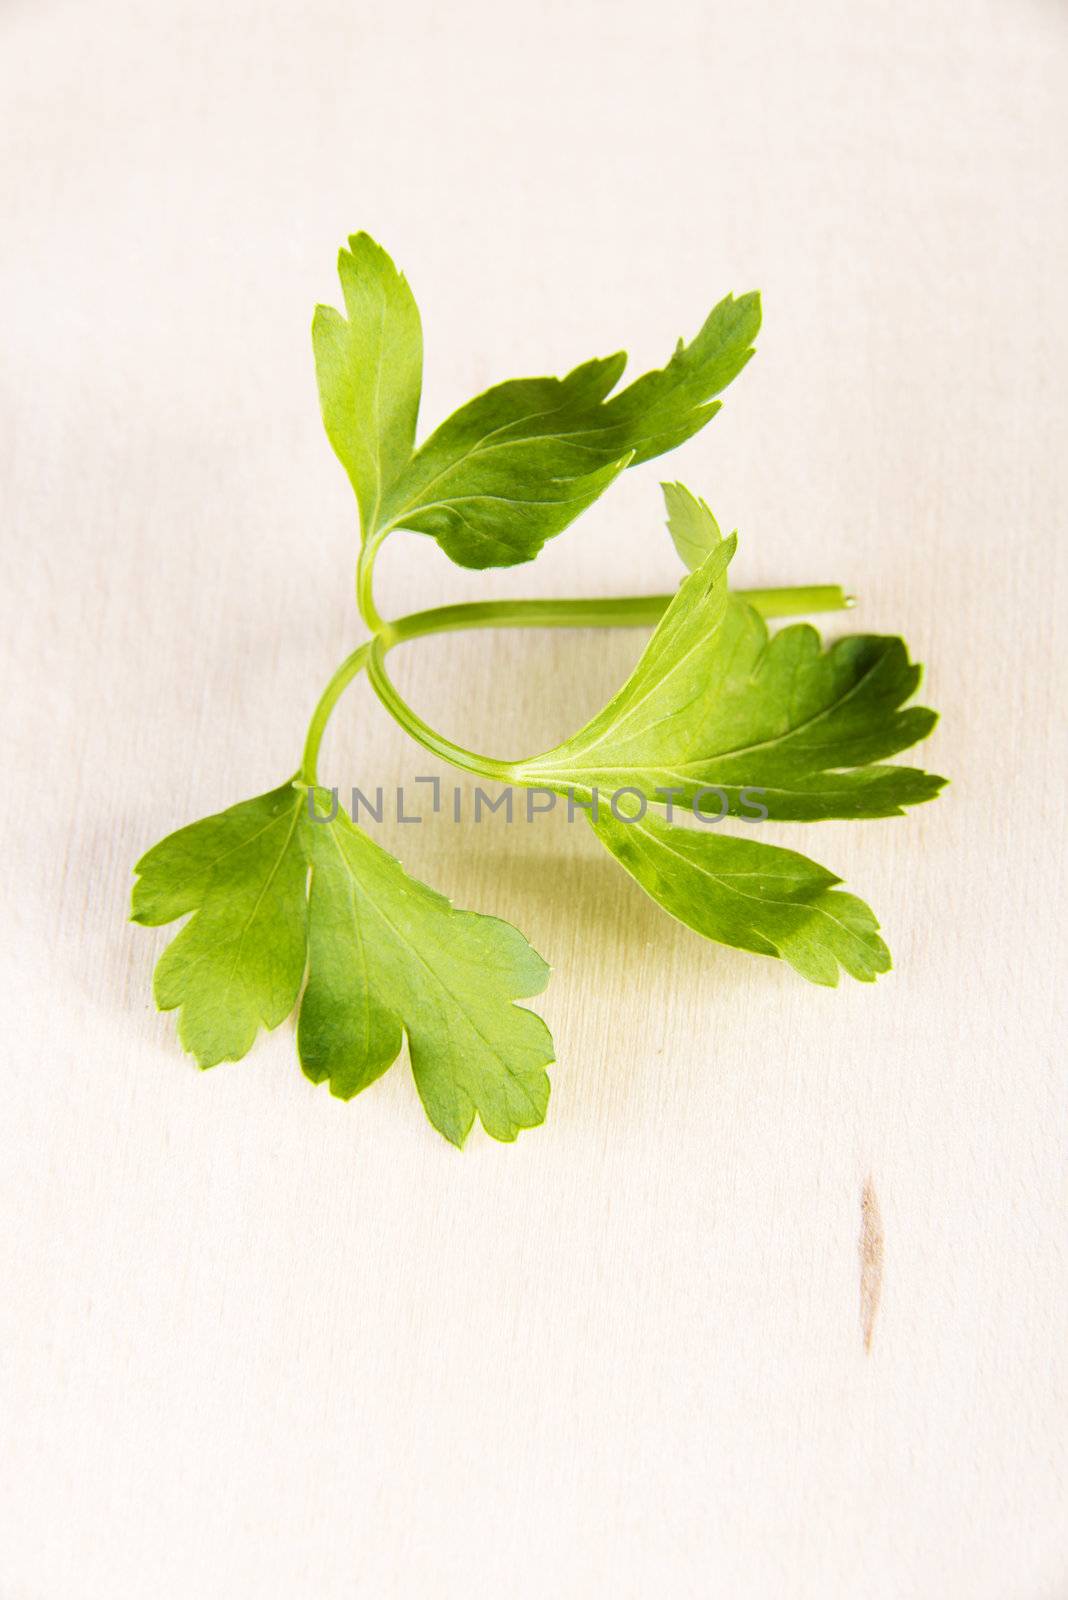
(344, 675)
(803, 601)
(626, 612)
(422, 732)
(364, 584)
(631, 612)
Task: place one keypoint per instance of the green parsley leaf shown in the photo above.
(517, 464)
(385, 955)
(665, 408)
(386, 952)
(751, 895)
(511, 468)
(693, 528)
(370, 372)
(715, 705)
(238, 964)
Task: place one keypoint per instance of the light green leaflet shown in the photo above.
(384, 955)
(715, 705)
(517, 464)
(370, 372)
(751, 895)
(387, 952)
(694, 530)
(238, 964)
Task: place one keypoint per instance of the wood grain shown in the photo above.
(872, 1253)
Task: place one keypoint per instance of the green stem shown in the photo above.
(803, 601)
(321, 715)
(422, 732)
(639, 611)
(364, 584)
(631, 612)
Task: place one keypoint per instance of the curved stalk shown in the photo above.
(422, 732)
(624, 612)
(365, 602)
(329, 698)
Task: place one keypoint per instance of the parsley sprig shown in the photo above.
(290, 903)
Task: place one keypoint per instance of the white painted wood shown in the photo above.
(257, 1343)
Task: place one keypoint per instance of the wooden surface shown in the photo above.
(258, 1343)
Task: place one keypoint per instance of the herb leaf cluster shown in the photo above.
(293, 907)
